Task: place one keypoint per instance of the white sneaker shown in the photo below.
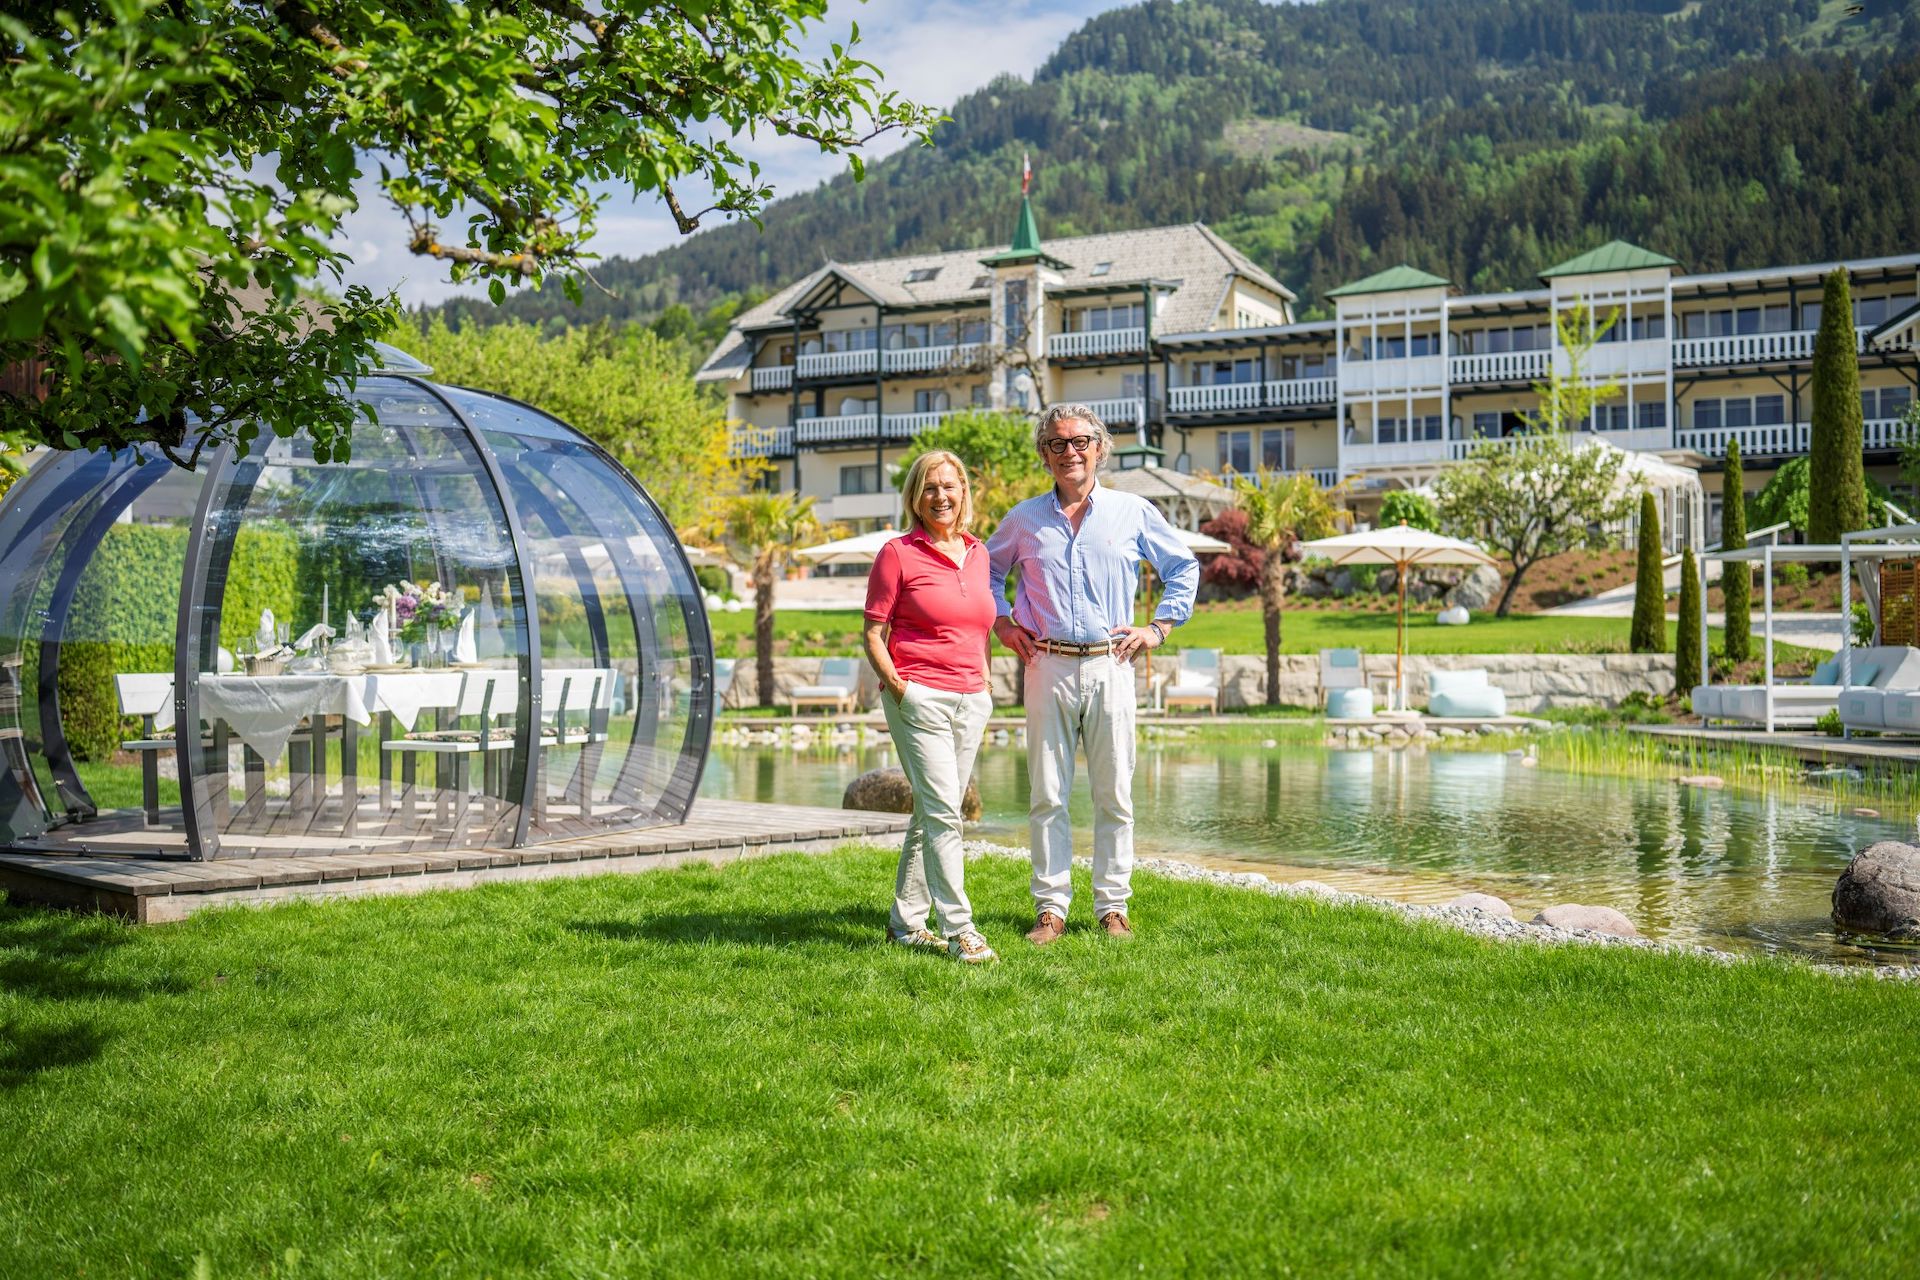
(916, 938)
(970, 948)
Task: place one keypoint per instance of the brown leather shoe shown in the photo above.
(1048, 928)
(1116, 926)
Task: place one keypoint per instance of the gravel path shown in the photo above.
(1467, 920)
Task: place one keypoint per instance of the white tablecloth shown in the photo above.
(264, 711)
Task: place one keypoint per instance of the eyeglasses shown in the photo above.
(1081, 444)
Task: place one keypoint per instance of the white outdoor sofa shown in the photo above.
(1883, 674)
(1881, 707)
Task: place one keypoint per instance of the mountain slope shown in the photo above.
(1483, 139)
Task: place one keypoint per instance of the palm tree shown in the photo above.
(759, 532)
(1282, 512)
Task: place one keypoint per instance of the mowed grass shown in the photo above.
(1239, 629)
(723, 1072)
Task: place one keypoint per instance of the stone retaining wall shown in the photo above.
(1532, 681)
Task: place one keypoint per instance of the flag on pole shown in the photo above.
(1026, 172)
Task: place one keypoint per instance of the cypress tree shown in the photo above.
(1736, 578)
(1836, 465)
(1649, 633)
(1686, 649)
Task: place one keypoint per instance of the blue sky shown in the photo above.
(932, 50)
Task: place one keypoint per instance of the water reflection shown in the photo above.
(1720, 867)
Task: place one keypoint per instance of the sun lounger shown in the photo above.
(1197, 681)
(1877, 674)
(837, 688)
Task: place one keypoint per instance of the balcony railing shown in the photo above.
(1632, 439)
(1784, 439)
(846, 426)
(962, 355)
(1286, 393)
(837, 364)
(760, 442)
(1103, 342)
(1500, 366)
(1392, 375)
(1124, 414)
(904, 426)
(1759, 348)
(858, 506)
(773, 378)
(1398, 453)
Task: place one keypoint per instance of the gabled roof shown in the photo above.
(1392, 280)
(1896, 324)
(1188, 259)
(1614, 255)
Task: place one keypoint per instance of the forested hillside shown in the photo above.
(1481, 139)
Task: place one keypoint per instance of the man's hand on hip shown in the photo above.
(1130, 641)
(1016, 638)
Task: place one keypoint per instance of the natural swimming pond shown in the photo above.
(1728, 868)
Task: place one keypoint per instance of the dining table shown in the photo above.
(267, 713)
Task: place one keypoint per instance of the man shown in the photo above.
(1076, 550)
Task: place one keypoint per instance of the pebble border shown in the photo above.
(1465, 919)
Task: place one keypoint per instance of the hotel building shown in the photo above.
(1189, 349)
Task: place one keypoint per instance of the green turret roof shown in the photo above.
(1615, 255)
(1391, 280)
(1026, 243)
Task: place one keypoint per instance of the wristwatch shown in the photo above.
(1161, 628)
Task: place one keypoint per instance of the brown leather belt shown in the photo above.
(1069, 650)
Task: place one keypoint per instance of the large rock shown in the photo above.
(1483, 902)
(887, 791)
(1477, 590)
(1592, 919)
(1879, 892)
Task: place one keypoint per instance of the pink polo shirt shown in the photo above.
(940, 614)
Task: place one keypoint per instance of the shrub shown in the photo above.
(1686, 650)
(1736, 579)
(1792, 574)
(1415, 510)
(1648, 633)
(713, 581)
(1829, 723)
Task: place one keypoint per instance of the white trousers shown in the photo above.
(937, 735)
(1086, 703)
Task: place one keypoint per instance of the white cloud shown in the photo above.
(931, 52)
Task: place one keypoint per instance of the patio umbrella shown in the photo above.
(1200, 544)
(1403, 548)
(859, 549)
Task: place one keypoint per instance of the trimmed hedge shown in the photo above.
(126, 609)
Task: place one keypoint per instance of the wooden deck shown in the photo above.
(157, 890)
(1816, 748)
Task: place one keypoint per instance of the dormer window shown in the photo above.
(982, 282)
(920, 275)
(1101, 268)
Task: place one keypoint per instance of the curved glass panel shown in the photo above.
(272, 656)
(372, 613)
(626, 658)
(91, 549)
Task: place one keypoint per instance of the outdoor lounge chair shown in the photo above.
(1465, 695)
(1877, 672)
(1196, 683)
(837, 689)
(1343, 684)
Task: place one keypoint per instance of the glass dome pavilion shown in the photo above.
(561, 688)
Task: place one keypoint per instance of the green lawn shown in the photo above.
(1238, 629)
(723, 1072)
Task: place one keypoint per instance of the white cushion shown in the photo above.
(819, 691)
(1863, 708)
(1901, 710)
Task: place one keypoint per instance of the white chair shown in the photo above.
(1464, 695)
(838, 687)
(146, 695)
(485, 696)
(1196, 683)
(1344, 691)
(722, 681)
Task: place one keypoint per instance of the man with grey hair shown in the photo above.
(1076, 550)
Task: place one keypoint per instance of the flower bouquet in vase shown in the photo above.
(416, 616)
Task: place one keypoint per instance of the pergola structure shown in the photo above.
(184, 673)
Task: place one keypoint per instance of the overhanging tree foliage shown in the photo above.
(176, 173)
(1836, 480)
(1736, 577)
(1003, 468)
(1648, 632)
(1282, 512)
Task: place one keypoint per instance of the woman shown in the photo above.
(929, 613)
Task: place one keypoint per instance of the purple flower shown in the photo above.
(404, 607)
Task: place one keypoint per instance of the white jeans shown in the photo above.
(937, 735)
(1080, 702)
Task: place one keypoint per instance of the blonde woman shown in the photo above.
(929, 615)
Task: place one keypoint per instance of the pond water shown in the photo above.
(1730, 869)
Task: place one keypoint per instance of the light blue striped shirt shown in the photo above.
(1077, 588)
